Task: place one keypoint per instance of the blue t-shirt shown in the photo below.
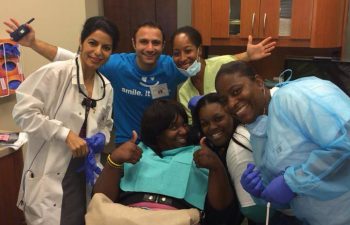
(134, 89)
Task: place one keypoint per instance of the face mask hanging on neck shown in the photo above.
(193, 69)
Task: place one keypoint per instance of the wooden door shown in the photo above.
(269, 18)
(327, 23)
(128, 14)
(11, 166)
(201, 19)
(301, 19)
(220, 18)
(249, 18)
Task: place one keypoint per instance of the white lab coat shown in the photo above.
(48, 107)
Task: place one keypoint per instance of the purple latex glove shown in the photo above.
(251, 181)
(90, 167)
(96, 142)
(193, 102)
(278, 191)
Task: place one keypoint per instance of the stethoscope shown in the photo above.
(87, 101)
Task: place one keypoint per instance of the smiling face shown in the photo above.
(216, 124)
(164, 125)
(185, 52)
(175, 136)
(95, 50)
(245, 96)
(148, 45)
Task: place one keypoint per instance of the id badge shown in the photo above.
(160, 90)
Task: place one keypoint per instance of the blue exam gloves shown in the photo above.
(251, 181)
(91, 168)
(193, 102)
(95, 145)
(277, 191)
(96, 142)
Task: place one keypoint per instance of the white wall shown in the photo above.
(93, 8)
(57, 22)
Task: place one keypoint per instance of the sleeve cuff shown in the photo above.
(62, 134)
(63, 54)
(234, 57)
(107, 136)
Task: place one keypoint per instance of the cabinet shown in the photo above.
(11, 165)
(295, 23)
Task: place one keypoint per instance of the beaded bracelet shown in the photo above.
(113, 164)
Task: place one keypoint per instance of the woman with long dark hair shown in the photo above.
(65, 107)
(230, 141)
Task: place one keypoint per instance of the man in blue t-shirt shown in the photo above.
(138, 78)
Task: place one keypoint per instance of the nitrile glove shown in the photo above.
(90, 166)
(95, 145)
(193, 102)
(251, 181)
(278, 191)
(96, 142)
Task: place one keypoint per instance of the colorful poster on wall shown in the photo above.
(11, 75)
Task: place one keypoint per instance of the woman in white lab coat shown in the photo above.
(65, 107)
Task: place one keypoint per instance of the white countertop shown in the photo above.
(4, 151)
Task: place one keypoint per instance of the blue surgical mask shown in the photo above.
(193, 69)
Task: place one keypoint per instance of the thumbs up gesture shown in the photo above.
(127, 152)
(205, 157)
